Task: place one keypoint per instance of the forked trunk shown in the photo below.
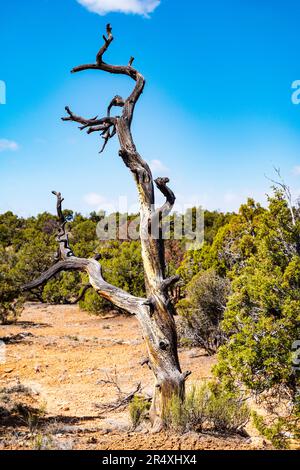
(164, 363)
(155, 313)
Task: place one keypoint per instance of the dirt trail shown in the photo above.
(62, 354)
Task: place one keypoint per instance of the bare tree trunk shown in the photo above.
(155, 313)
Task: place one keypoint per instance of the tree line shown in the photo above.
(239, 294)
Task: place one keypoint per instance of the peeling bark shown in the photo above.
(155, 313)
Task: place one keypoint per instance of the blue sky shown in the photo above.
(215, 117)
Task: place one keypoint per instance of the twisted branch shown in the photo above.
(102, 125)
(107, 42)
(128, 70)
(116, 101)
(169, 282)
(64, 250)
(155, 221)
(69, 262)
(81, 294)
(161, 184)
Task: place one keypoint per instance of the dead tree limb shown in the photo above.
(81, 294)
(123, 398)
(121, 402)
(286, 191)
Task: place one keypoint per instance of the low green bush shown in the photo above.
(138, 410)
(93, 303)
(207, 408)
(278, 431)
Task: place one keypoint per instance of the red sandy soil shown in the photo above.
(61, 354)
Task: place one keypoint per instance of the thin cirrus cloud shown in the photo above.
(138, 7)
(8, 145)
(94, 199)
(157, 166)
(230, 196)
(296, 170)
(99, 202)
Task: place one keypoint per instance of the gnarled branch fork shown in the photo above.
(64, 250)
(155, 313)
(69, 262)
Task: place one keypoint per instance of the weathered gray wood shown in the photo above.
(155, 313)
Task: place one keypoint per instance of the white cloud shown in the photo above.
(157, 166)
(8, 145)
(230, 196)
(94, 199)
(100, 203)
(102, 7)
(296, 170)
(185, 201)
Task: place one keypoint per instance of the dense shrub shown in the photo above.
(93, 303)
(62, 289)
(202, 310)
(121, 266)
(34, 258)
(262, 314)
(262, 318)
(11, 302)
(280, 431)
(10, 226)
(231, 246)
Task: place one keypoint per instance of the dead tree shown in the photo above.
(155, 313)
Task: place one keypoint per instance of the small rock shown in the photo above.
(194, 354)
(106, 431)
(257, 442)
